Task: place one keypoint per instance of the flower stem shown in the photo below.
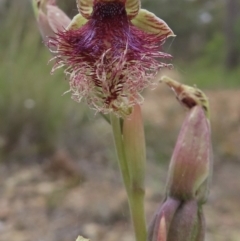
(136, 204)
(134, 188)
(118, 140)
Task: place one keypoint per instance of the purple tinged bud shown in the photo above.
(57, 19)
(50, 18)
(180, 217)
(185, 224)
(191, 163)
(167, 211)
(178, 221)
(44, 27)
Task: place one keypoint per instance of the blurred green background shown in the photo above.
(47, 139)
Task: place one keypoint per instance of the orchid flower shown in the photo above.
(110, 52)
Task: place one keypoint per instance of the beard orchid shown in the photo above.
(110, 51)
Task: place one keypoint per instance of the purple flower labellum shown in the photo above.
(111, 52)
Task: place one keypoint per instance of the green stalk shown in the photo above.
(118, 140)
(136, 204)
(133, 184)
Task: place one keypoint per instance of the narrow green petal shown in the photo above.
(150, 23)
(77, 22)
(85, 7)
(132, 8)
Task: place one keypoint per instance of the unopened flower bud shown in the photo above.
(50, 18)
(191, 163)
(180, 217)
(186, 224)
(178, 221)
(166, 211)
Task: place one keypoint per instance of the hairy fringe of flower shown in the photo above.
(110, 80)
